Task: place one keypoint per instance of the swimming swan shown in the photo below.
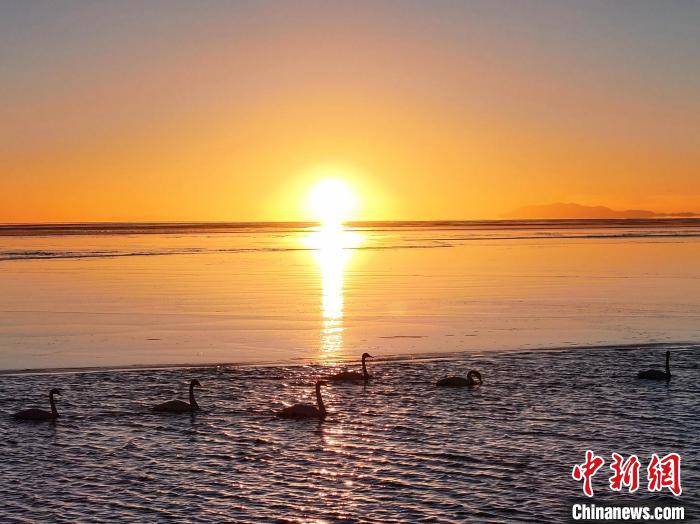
(40, 414)
(301, 411)
(473, 380)
(657, 374)
(180, 406)
(354, 375)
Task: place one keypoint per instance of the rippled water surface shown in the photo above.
(398, 450)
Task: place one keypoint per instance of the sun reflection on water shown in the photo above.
(332, 245)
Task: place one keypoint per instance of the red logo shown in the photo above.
(661, 473)
(625, 473)
(665, 473)
(586, 471)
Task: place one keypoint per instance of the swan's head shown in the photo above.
(475, 374)
(55, 391)
(195, 382)
(320, 383)
(366, 355)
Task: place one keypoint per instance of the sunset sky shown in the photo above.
(231, 110)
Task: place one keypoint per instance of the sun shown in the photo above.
(332, 201)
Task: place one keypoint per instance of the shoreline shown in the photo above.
(421, 357)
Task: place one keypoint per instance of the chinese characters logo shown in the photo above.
(662, 472)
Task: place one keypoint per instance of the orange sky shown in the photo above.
(225, 111)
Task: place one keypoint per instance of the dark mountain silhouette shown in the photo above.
(572, 210)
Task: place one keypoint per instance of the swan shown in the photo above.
(657, 374)
(180, 406)
(299, 411)
(354, 375)
(40, 414)
(473, 380)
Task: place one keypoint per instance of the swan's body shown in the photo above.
(180, 406)
(354, 375)
(657, 374)
(40, 414)
(302, 411)
(473, 380)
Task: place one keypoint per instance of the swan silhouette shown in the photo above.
(180, 406)
(473, 380)
(40, 414)
(657, 374)
(302, 411)
(354, 375)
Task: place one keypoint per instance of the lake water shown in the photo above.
(558, 317)
(399, 450)
(119, 295)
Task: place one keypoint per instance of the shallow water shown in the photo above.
(139, 294)
(398, 450)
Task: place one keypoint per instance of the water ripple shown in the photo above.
(397, 450)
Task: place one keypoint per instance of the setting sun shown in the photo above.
(332, 201)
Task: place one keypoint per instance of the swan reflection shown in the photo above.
(332, 245)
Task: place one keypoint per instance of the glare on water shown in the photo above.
(258, 293)
(332, 246)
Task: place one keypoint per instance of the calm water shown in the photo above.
(294, 303)
(114, 295)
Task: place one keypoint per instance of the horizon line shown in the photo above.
(311, 223)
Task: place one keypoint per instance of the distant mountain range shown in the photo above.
(571, 210)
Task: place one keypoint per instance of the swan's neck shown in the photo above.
(52, 402)
(668, 364)
(319, 401)
(364, 368)
(193, 402)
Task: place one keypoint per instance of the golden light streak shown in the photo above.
(332, 200)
